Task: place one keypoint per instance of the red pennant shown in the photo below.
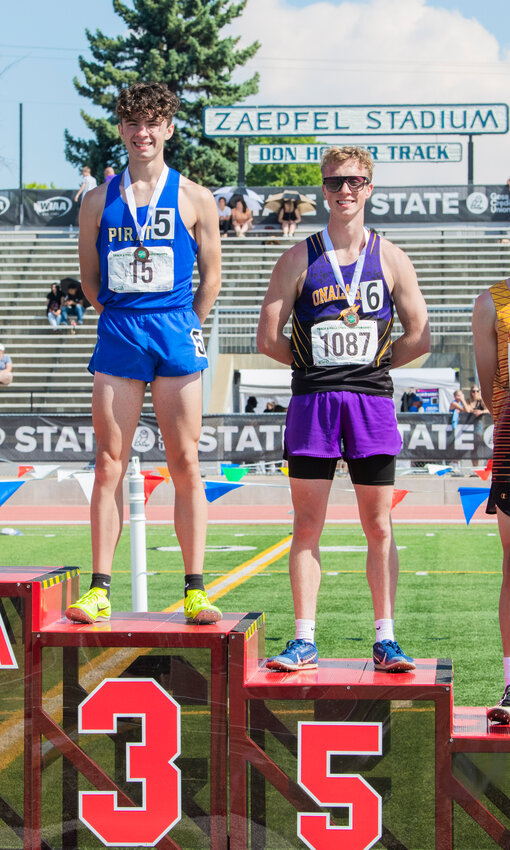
(23, 469)
(151, 481)
(484, 473)
(398, 495)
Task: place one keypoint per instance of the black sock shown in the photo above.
(101, 580)
(193, 581)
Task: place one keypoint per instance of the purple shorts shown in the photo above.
(341, 424)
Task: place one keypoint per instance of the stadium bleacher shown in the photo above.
(453, 265)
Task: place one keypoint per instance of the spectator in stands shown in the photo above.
(478, 407)
(251, 404)
(416, 405)
(491, 327)
(341, 404)
(242, 218)
(224, 217)
(73, 304)
(54, 305)
(108, 174)
(89, 183)
(5, 367)
(289, 217)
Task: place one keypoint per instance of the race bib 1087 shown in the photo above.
(336, 344)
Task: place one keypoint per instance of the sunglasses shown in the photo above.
(334, 184)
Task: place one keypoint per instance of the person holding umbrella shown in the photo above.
(289, 217)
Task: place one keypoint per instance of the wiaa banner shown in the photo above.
(387, 205)
(235, 438)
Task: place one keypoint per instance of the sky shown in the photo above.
(312, 52)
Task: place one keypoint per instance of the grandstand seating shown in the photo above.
(453, 266)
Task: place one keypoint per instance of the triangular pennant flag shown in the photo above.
(8, 488)
(285, 470)
(398, 495)
(23, 469)
(62, 474)
(224, 466)
(471, 499)
(438, 469)
(42, 470)
(150, 482)
(235, 474)
(163, 470)
(86, 482)
(216, 489)
(484, 473)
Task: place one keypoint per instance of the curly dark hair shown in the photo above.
(154, 100)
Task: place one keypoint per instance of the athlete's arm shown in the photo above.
(409, 304)
(485, 344)
(200, 215)
(90, 217)
(284, 287)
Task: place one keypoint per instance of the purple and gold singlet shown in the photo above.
(329, 354)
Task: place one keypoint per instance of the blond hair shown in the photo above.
(337, 155)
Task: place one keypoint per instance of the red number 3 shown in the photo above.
(149, 762)
(316, 743)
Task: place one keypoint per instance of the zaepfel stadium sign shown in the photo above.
(367, 120)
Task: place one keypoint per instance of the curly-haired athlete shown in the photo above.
(139, 237)
(341, 287)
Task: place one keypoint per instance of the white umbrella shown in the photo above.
(232, 194)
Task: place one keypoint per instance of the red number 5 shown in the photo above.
(316, 743)
(149, 762)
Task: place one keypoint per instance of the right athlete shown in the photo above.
(341, 286)
(491, 331)
(140, 235)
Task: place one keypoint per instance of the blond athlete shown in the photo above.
(341, 287)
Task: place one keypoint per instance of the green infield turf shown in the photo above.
(447, 601)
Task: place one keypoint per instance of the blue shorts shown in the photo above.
(141, 345)
(341, 424)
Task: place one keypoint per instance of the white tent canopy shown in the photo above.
(265, 385)
(408, 380)
(274, 385)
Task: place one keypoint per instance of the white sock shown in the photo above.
(384, 630)
(506, 666)
(305, 630)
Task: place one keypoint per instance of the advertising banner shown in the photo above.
(234, 438)
(9, 207)
(399, 205)
(49, 208)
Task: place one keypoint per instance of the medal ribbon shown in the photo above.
(337, 271)
(130, 197)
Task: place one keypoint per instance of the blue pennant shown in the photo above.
(472, 498)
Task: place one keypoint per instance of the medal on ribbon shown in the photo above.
(142, 253)
(350, 316)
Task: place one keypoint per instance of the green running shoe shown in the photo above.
(94, 606)
(199, 610)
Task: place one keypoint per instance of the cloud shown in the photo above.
(380, 52)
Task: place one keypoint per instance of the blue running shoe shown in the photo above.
(388, 656)
(297, 655)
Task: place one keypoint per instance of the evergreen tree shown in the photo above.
(284, 173)
(176, 42)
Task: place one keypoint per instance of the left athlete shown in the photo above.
(140, 235)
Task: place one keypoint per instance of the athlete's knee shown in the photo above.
(378, 530)
(108, 470)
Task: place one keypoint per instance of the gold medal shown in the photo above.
(350, 316)
(142, 253)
